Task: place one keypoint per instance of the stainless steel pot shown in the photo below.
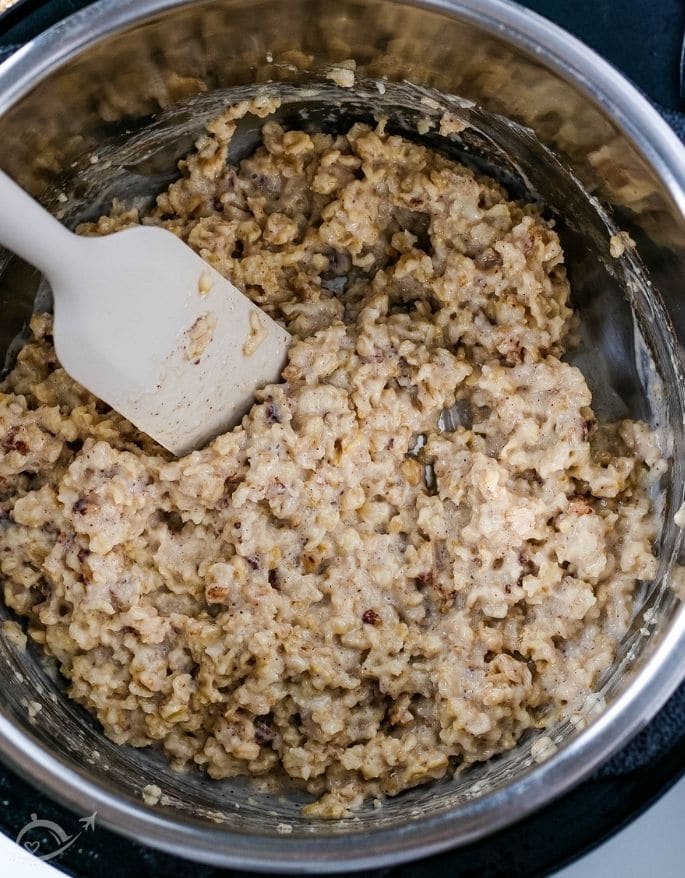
(104, 103)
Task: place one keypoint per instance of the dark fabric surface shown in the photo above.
(665, 732)
(644, 39)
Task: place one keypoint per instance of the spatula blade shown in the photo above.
(164, 339)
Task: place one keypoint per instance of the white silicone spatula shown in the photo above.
(147, 325)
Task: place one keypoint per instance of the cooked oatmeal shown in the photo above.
(355, 587)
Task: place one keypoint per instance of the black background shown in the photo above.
(644, 39)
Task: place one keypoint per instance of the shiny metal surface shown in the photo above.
(131, 82)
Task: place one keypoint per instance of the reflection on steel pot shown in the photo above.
(132, 82)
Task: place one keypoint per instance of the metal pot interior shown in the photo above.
(116, 99)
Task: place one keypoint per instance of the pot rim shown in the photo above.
(604, 86)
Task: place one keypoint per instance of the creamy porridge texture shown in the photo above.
(347, 588)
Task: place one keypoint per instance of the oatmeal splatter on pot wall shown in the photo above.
(317, 592)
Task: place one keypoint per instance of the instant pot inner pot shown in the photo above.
(624, 350)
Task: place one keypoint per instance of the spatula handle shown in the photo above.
(31, 232)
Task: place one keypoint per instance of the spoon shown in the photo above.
(146, 325)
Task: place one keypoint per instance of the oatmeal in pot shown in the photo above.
(417, 546)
